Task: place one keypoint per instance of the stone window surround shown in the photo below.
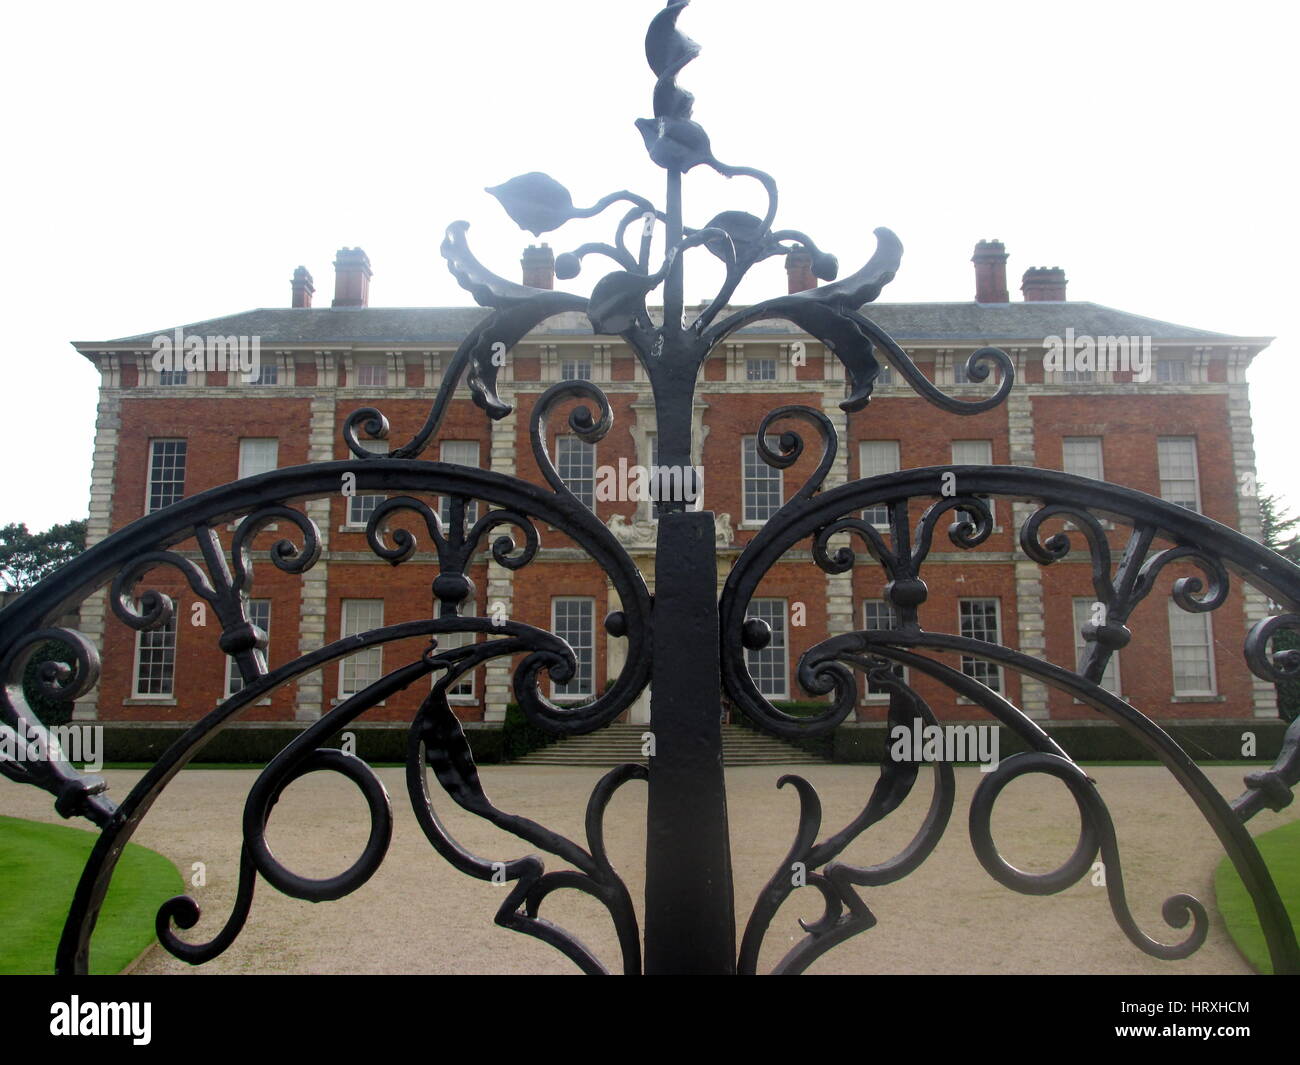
(939, 359)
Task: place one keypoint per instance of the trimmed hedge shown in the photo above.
(519, 735)
(258, 743)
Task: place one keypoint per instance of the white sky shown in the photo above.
(168, 163)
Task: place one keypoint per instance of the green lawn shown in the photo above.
(1280, 848)
(39, 868)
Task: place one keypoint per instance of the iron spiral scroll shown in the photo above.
(219, 569)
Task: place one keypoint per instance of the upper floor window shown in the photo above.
(973, 453)
(460, 453)
(268, 373)
(575, 369)
(980, 619)
(762, 485)
(361, 507)
(885, 376)
(258, 454)
(760, 369)
(1171, 371)
(1081, 456)
(876, 457)
(155, 661)
(573, 619)
(1078, 377)
(166, 474)
(575, 461)
(879, 614)
(463, 688)
(1179, 479)
(1192, 644)
(372, 373)
(363, 668)
(172, 377)
(769, 666)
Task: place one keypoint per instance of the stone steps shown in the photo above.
(619, 743)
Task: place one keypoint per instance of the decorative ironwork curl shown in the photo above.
(581, 423)
(516, 311)
(306, 754)
(225, 591)
(285, 554)
(29, 754)
(791, 444)
(1096, 831)
(1135, 578)
(122, 559)
(1186, 588)
(1226, 821)
(55, 679)
(1211, 547)
(438, 742)
(454, 546)
(1285, 664)
(836, 885)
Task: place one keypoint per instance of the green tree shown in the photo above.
(1279, 533)
(27, 557)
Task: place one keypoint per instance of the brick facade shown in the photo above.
(318, 359)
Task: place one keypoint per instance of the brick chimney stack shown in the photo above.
(302, 288)
(538, 266)
(799, 271)
(1043, 284)
(351, 278)
(990, 261)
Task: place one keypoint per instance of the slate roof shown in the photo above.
(957, 322)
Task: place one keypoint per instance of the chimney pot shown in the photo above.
(799, 271)
(302, 288)
(990, 261)
(1041, 284)
(538, 266)
(351, 278)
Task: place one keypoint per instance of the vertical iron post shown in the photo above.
(690, 924)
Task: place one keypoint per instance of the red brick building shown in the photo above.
(1184, 435)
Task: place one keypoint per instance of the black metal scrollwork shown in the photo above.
(124, 559)
(1214, 549)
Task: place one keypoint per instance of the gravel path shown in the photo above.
(418, 915)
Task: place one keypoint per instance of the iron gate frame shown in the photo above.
(670, 636)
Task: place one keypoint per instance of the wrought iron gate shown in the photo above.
(684, 642)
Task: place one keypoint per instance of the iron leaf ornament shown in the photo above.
(538, 203)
